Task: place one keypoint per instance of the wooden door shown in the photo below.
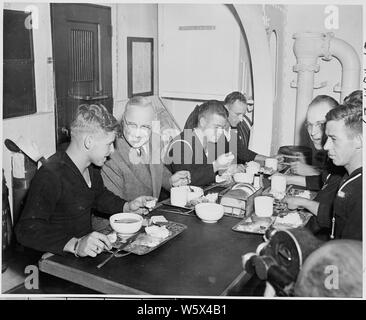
(81, 38)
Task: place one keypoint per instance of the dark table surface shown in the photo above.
(203, 260)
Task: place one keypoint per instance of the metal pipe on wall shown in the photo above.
(350, 62)
(308, 47)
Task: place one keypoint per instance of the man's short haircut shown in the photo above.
(235, 96)
(351, 114)
(211, 107)
(343, 259)
(138, 101)
(324, 99)
(354, 98)
(90, 118)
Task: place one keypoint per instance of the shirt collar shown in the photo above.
(199, 134)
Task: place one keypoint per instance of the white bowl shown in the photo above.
(196, 193)
(209, 212)
(126, 223)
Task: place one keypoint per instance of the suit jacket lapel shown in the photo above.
(125, 154)
(156, 170)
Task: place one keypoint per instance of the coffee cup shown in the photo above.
(278, 184)
(179, 196)
(263, 206)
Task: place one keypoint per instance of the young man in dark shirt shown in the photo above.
(344, 147)
(238, 123)
(203, 151)
(57, 215)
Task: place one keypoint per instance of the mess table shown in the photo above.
(203, 260)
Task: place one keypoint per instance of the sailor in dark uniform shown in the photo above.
(344, 147)
(239, 125)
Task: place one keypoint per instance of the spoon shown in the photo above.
(124, 221)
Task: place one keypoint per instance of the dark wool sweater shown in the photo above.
(59, 205)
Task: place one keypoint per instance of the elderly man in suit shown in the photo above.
(135, 167)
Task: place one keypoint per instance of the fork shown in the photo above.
(115, 254)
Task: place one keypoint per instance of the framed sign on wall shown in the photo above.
(140, 66)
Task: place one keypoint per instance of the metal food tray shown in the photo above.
(169, 208)
(304, 215)
(260, 226)
(175, 228)
(295, 191)
(247, 225)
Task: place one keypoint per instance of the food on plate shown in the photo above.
(151, 204)
(235, 168)
(277, 195)
(146, 240)
(293, 218)
(253, 164)
(112, 237)
(252, 167)
(227, 175)
(210, 197)
(303, 193)
(267, 170)
(254, 226)
(280, 207)
(157, 219)
(194, 192)
(223, 178)
(158, 232)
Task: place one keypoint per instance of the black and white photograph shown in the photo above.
(171, 150)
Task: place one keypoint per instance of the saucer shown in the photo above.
(209, 221)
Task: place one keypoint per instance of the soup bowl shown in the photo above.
(126, 223)
(209, 212)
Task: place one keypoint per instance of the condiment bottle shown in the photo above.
(256, 182)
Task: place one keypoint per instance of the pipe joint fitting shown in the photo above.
(300, 67)
(327, 56)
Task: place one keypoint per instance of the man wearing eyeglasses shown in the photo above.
(344, 148)
(305, 175)
(135, 167)
(326, 178)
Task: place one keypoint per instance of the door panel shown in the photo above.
(81, 36)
